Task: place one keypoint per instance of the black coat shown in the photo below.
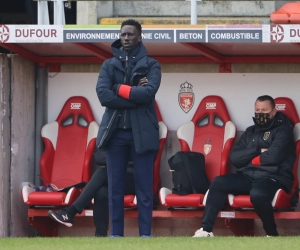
(277, 162)
(140, 104)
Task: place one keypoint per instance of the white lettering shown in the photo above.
(227, 214)
(211, 105)
(65, 217)
(87, 36)
(147, 35)
(75, 105)
(234, 36)
(194, 36)
(161, 36)
(280, 106)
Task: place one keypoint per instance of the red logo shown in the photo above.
(276, 33)
(207, 146)
(4, 33)
(186, 97)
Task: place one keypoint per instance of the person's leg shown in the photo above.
(261, 196)
(100, 211)
(98, 180)
(220, 187)
(117, 156)
(143, 177)
(66, 215)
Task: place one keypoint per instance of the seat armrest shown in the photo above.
(72, 195)
(163, 192)
(230, 199)
(205, 197)
(26, 190)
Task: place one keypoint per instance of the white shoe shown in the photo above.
(201, 233)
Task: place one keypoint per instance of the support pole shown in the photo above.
(194, 12)
(43, 13)
(59, 12)
(41, 116)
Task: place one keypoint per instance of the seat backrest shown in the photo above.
(163, 133)
(69, 144)
(289, 8)
(287, 106)
(211, 133)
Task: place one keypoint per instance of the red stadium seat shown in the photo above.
(69, 145)
(288, 13)
(212, 133)
(281, 198)
(130, 200)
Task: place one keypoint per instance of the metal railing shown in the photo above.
(59, 13)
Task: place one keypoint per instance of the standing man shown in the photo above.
(126, 86)
(264, 157)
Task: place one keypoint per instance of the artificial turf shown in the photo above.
(154, 243)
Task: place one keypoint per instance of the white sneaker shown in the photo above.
(201, 233)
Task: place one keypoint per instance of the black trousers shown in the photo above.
(261, 195)
(96, 188)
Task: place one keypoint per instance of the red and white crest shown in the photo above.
(207, 146)
(186, 97)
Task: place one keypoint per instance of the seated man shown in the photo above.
(96, 188)
(264, 157)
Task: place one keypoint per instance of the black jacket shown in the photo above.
(277, 162)
(140, 104)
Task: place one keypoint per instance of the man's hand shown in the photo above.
(263, 150)
(143, 81)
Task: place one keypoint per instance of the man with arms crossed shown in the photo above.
(126, 86)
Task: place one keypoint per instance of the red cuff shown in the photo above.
(124, 91)
(256, 161)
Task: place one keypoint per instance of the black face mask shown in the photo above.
(262, 119)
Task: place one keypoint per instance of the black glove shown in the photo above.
(115, 87)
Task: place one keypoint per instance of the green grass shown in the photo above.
(155, 243)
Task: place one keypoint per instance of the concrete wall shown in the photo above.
(183, 8)
(87, 12)
(4, 146)
(90, 12)
(22, 141)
